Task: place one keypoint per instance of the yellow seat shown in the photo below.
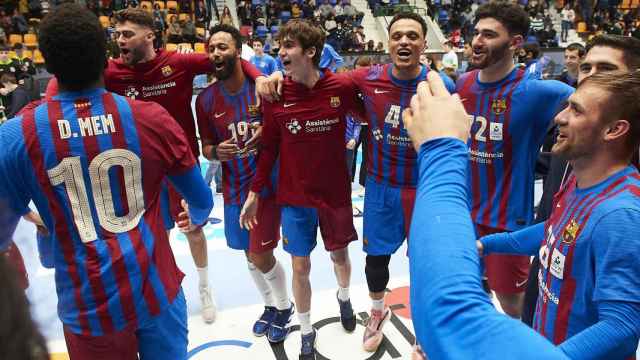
(185, 46)
(31, 40)
(146, 5)
(200, 31)
(172, 5)
(183, 17)
(200, 48)
(582, 27)
(171, 47)
(37, 57)
(104, 21)
(15, 38)
(28, 54)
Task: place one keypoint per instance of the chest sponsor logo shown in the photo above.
(319, 126)
(157, 89)
(570, 232)
(167, 70)
(557, 264)
(499, 106)
(131, 92)
(293, 126)
(334, 102)
(495, 131)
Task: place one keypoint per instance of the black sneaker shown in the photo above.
(347, 317)
(308, 347)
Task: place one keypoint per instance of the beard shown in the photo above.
(134, 56)
(228, 68)
(492, 56)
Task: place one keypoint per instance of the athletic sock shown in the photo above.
(343, 294)
(305, 323)
(277, 279)
(203, 275)
(261, 284)
(377, 304)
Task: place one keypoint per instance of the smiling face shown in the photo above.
(294, 58)
(224, 54)
(601, 59)
(135, 42)
(581, 127)
(492, 43)
(406, 44)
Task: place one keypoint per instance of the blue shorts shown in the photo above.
(163, 337)
(263, 237)
(387, 217)
(300, 229)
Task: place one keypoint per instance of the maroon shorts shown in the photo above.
(14, 258)
(266, 235)
(507, 274)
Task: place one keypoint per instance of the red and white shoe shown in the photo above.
(373, 332)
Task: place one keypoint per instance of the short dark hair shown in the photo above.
(73, 44)
(136, 16)
(577, 47)
(8, 77)
(624, 92)
(18, 46)
(532, 48)
(410, 16)
(363, 60)
(258, 40)
(235, 34)
(308, 35)
(511, 16)
(629, 46)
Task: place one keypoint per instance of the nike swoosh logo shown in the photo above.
(218, 115)
(288, 105)
(380, 91)
(519, 284)
(266, 243)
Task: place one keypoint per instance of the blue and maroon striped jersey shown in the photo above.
(93, 163)
(589, 255)
(510, 120)
(392, 159)
(222, 116)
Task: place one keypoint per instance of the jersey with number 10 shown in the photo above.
(510, 120)
(93, 163)
(392, 159)
(222, 116)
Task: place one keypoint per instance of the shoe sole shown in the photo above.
(370, 348)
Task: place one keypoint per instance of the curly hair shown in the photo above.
(73, 44)
(511, 16)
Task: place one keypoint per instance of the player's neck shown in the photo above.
(234, 83)
(308, 77)
(497, 71)
(149, 56)
(590, 171)
(407, 73)
(97, 84)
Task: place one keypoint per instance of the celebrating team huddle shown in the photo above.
(109, 159)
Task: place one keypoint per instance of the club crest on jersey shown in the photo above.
(293, 126)
(570, 232)
(335, 101)
(253, 110)
(131, 92)
(167, 70)
(499, 106)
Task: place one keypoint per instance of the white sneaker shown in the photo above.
(208, 305)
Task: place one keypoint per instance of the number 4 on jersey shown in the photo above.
(393, 116)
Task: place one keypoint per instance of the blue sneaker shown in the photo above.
(308, 348)
(263, 324)
(278, 330)
(347, 317)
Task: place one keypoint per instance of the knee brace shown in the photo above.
(377, 271)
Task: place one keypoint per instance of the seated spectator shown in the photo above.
(537, 24)
(307, 9)
(18, 22)
(202, 15)
(296, 12)
(24, 66)
(185, 6)
(371, 45)
(12, 95)
(174, 31)
(351, 12)
(338, 11)
(244, 12)
(225, 18)
(358, 39)
(330, 25)
(158, 18)
(3, 36)
(380, 47)
(325, 9)
(189, 31)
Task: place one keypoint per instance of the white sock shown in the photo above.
(277, 280)
(305, 323)
(377, 304)
(343, 294)
(203, 274)
(263, 287)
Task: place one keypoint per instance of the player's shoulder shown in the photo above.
(547, 87)
(465, 78)
(179, 59)
(208, 96)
